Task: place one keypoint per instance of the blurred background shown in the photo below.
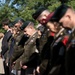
(24, 8)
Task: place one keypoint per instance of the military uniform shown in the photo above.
(59, 13)
(70, 55)
(45, 52)
(45, 41)
(18, 49)
(29, 50)
(57, 58)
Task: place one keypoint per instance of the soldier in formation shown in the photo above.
(47, 49)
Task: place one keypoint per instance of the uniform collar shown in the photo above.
(8, 30)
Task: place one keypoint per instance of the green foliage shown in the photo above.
(72, 4)
(27, 7)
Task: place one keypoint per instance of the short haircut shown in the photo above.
(6, 21)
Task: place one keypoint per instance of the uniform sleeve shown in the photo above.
(33, 60)
(18, 51)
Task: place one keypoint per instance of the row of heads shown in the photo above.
(23, 24)
(17, 20)
(54, 16)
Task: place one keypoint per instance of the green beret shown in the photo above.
(17, 20)
(59, 12)
(25, 24)
(38, 12)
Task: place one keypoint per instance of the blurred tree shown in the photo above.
(64, 1)
(24, 8)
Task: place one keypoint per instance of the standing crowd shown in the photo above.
(48, 49)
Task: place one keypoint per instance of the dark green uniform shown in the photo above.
(43, 39)
(29, 49)
(45, 42)
(18, 49)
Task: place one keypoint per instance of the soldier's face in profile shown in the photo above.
(27, 31)
(17, 25)
(53, 26)
(14, 30)
(5, 27)
(42, 19)
(65, 21)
